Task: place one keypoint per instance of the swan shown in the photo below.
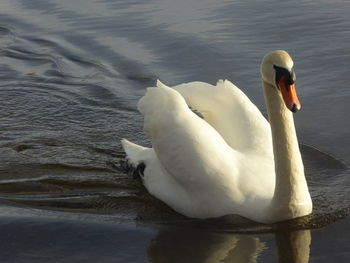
(231, 161)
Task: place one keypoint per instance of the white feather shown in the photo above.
(222, 164)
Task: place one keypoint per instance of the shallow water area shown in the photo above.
(71, 73)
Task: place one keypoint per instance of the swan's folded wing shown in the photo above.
(226, 108)
(189, 149)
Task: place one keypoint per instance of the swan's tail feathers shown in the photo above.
(133, 152)
(133, 164)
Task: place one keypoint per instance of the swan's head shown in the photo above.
(277, 70)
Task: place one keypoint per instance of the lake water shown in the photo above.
(71, 73)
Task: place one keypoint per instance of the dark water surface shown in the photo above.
(71, 73)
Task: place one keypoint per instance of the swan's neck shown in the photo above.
(291, 197)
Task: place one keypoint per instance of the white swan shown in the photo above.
(228, 162)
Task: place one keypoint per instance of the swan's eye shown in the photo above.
(289, 76)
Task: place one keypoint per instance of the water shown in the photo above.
(71, 73)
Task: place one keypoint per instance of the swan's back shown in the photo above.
(186, 145)
(231, 113)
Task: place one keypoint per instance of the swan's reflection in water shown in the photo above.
(188, 245)
(294, 246)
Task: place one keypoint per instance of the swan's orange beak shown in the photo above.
(289, 95)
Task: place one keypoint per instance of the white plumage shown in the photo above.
(222, 164)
